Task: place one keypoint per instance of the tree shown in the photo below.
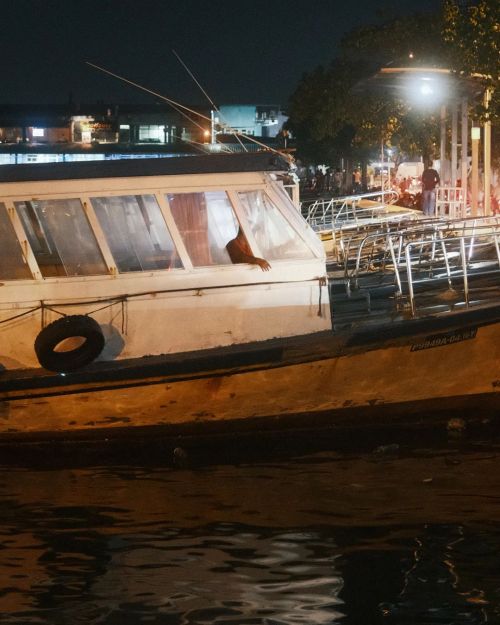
(413, 41)
(399, 41)
(472, 34)
(331, 115)
(319, 111)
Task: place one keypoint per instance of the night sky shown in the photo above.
(241, 51)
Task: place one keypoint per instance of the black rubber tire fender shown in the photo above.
(71, 326)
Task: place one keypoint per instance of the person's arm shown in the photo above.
(237, 255)
(262, 262)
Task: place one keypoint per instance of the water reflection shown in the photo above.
(323, 539)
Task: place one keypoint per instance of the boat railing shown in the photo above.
(327, 213)
(456, 261)
(426, 259)
(361, 251)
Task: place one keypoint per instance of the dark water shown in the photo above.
(392, 535)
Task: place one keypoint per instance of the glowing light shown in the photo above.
(427, 90)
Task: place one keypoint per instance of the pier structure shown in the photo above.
(439, 89)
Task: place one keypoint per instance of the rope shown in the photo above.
(321, 283)
(123, 299)
(28, 312)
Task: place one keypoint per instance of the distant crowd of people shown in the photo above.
(418, 192)
(332, 181)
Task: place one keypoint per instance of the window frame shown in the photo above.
(24, 239)
(274, 196)
(168, 224)
(275, 199)
(232, 204)
(159, 189)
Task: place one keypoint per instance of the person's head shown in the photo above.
(429, 164)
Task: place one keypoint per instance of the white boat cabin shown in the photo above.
(140, 246)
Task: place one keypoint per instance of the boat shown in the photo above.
(124, 316)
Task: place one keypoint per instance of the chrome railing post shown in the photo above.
(410, 279)
(396, 267)
(464, 269)
(497, 247)
(445, 256)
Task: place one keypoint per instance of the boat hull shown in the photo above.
(327, 379)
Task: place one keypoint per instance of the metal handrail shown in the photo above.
(426, 231)
(322, 212)
(438, 250)
(460, 247)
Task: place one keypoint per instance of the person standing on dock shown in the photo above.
(430, 179)
(356, 181)
(338, 182)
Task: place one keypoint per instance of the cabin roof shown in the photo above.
(202, 164)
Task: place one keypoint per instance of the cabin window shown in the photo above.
(276, 238)
(136, 232)
(206, 222)
(12, 263)
(61, 238)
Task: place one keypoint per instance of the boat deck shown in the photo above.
(383, 272)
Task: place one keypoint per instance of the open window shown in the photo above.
(276, 238)
(206, 222)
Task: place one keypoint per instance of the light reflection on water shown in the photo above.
(393, 538)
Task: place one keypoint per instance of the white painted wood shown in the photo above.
(165, 311)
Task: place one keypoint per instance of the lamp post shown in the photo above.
(382, 171)
(475, 136)
(487, 154)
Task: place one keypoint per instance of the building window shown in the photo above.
(152, 134)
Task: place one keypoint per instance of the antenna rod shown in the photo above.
(208, 98)
(174, 104)
(193, 77)
(158, 95)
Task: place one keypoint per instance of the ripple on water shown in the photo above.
(317, 540)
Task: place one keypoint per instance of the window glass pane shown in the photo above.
(12, 263)
(61, 238)
(152, 133)
(276, 239)
(206, 222)
(136, 232)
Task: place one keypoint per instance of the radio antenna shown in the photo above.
(207, 97)
(175, 104)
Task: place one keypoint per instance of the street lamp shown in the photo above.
(426, 86)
